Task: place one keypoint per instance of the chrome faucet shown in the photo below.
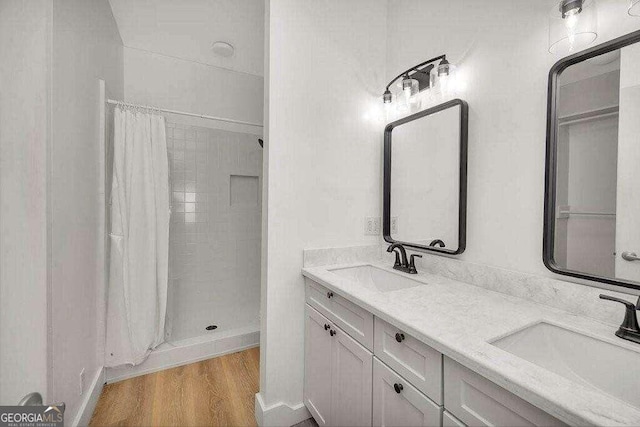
(629, 330)
(401, 263)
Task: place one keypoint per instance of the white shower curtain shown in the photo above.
(139, 256)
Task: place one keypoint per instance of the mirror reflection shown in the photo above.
(597, 231)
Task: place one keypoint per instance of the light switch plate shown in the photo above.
(372, 226)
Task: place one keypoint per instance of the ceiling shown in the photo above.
(187, 28)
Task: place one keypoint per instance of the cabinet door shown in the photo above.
(397, 403)
(317, 366)
(351, 382)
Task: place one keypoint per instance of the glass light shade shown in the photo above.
(575, 31)
(634, 8)
(444, 83)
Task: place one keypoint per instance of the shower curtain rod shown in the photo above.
(182, 113)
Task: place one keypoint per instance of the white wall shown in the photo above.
(162, 81)
(86, 48)
(24, 128)
(325, 73)
(501, 47)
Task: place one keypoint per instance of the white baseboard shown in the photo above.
(185, 352)
(279, 414)
(88, 405)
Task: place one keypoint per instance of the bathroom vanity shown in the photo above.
(385, 348)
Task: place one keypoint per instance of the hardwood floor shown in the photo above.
(215, 392)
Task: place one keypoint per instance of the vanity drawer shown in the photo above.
(476, 401)
(417, 362)
(395, 406)
(354, 320)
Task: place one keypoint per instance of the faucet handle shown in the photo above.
(629, 329)
(412, 263)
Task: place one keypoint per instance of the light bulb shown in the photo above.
(570, 22)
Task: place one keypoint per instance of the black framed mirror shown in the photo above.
(591, 227)
(425, 179)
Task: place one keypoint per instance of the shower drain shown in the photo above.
(211, 327)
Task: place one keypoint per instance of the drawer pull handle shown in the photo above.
(398, 387)
(326, 327)
(332, 332)
(399, 337)
(329, 294)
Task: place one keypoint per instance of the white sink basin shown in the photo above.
(597, 364)
(376, 279)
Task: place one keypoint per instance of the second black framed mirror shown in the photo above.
(591, 227)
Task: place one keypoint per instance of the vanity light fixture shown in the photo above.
(573, 25)
(419, 78)
(634, 7)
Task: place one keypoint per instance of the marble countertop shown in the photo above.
(460, 320)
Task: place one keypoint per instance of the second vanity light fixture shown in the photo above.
(573, 25)
(422, 77)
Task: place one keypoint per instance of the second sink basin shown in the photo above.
(376, 279)
(592, 362)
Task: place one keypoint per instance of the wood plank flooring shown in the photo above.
(214, 392)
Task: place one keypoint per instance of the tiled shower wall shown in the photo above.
(214, 244)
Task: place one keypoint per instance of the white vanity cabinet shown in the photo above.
(403, 382)
(338, 374)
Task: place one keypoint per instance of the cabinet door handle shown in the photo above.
(399, 337)
(326, 327)
(398, 387)
(332, 332)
